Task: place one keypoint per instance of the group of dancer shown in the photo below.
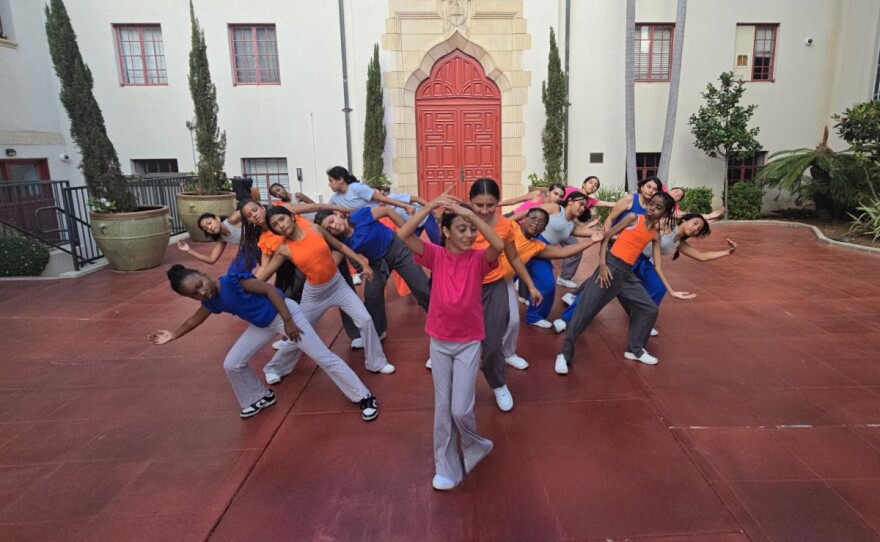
(474, 255)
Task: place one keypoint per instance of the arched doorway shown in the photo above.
(458, 126)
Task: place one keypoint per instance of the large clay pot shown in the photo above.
(132, 241)
(191, 206)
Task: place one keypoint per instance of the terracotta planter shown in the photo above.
(132, 241)
(191, 206)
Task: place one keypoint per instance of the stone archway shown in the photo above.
(495, 39)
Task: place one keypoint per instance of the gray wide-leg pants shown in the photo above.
(570, 265)
(629, 290)
(511, 334)
(249, 389)
(454, 372)
(398, 258)
(496, 320)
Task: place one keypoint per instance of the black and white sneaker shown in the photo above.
(255, 408)
(369, 408)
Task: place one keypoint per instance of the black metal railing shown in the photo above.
(57, 214)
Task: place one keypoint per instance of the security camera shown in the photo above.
(64, 157)
(808, 42)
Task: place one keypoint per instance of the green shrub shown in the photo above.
(21, 257)
(745, 201)
(537, 182)
(697, 200)
(867, 221)
(610, 194)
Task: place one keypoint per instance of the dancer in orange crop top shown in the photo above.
(309, 247)
(614, 277)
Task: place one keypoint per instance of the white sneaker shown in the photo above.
(569, 298)
(517, 362)
(273, 378)
(428, 364)
(387, 369)
(559, 325)
(357, 344)
(654, 332)
(566, 283)
(561, 365)
(442, 484)
(543, 324)
(356, 280)
(645, 358)
(279, 343)
(503, 398)
(523, 300)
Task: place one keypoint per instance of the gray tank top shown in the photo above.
(234, 233)
(668, 244)
(558, 228)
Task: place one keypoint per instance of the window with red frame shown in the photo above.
(744, 169)
(647, 164)
(653, 51)
(141, 55)
(764, 55)
(254, 55)
(154, 166)
(264, 172)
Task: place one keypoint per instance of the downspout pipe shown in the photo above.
(567, 94)
(347, 105)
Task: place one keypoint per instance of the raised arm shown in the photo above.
(255, 286)
(622, 205)
(164, 336)
(658, 266)
(303, 208)
(338, 246)
(268, 267)
(302, 198)
(528, 196)
(382, 198)
(216, 251)
(701, 256)
(420, 201)
(556, 252)
(385, 212)
(585, 229)
(496, 245)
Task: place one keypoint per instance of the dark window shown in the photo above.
(155, 166)
(647, 164)
(264, 172)
(597, 157)
(744, 169)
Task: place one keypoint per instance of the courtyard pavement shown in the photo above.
(761, 422)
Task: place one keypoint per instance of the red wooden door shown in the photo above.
(19, 202)
(458, 114)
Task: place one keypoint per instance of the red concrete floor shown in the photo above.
(762, 421)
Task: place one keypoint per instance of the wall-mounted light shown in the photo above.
(10, 153)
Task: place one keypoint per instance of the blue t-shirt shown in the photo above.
(358, 195)
(370, 238)
(232, 298)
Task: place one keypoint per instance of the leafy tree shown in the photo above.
(210, 142)
(721, 126)
(374, 124)
(100, 164)
(553, 95)
(860, 127)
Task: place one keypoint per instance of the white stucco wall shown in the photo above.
(302, 120)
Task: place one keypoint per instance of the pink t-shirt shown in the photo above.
(455, 313)
(527, 205)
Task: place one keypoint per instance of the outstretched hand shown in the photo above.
(292, 331)
(682, 295)
(604, 278)
(161, 336)
(183, 245)
(598, 237)
(732, 246)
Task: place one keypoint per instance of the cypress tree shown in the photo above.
(554, 97)
(100, 164)
(374, 123)
(210, 142)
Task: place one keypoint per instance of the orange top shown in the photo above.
(505, 228)
(632, 241)
(527, 249)
(311, 254)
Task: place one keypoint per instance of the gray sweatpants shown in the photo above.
(249, 389)
(454, 370)
(501, 323)
(335, 293)
(570, 265)
(398, 258)
(511, 334)
(629, 290)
